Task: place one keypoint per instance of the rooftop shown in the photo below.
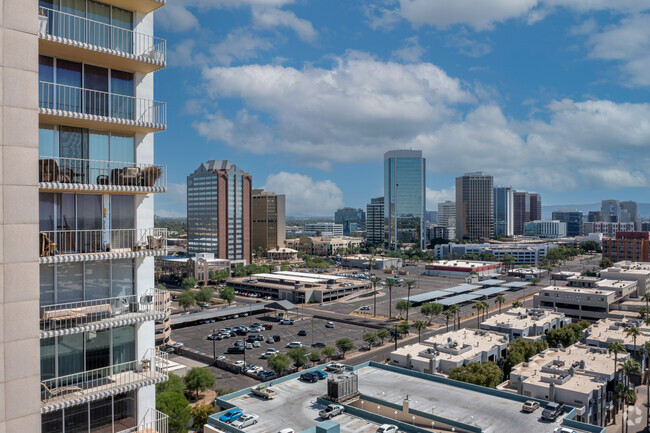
(606, 331)
(522, 318)
(585, 290)
(463, 263)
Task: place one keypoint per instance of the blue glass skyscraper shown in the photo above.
(404, 197)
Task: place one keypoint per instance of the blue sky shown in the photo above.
(546, 95)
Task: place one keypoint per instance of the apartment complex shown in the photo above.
(219, 214)
(96, 305)
(627, 246)
(268, 214)
(529, 254)
(404, 197)
(545, 229)
(503, 211)
(447, 213)
(474, 207)
(323, 246)
(375, 221)
(527, 207)
(608, 229)
(351, 219)
(531, 324)
(573, 220)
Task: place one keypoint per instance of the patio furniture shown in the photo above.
(61, 390)
(102, 179)
(48, 170)
(48, 247)
(127, 176)
(155, 242)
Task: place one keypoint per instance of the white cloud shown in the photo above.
(240, 44)
(176, 18)
(176, 199)
(218, 4)
(411, 51)
(467, 46)
(269, 18)
(436, 196)
(304, 195)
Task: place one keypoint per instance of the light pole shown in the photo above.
(214, 347)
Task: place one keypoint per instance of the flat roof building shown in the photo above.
(363, 262)
(325, 230)
(323, 246)
(462, 268)
(474, 206)
(523, 253)
(268, 220)
(503, 211)
(608, 229)
(630, 271)
(577, 302)
(605, 331)
(531, 324)
(545, 229)
(573, 220)
(627, 246)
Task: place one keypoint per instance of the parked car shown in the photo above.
(231, 415)
(267, 375)
(387, 428)
(364, 307)
(269, 353)
(267, 326)
(564, 430)
(293, 344)
(277, 337)
(287, 430)
(256, 324)
(270, 340)
(530, 406)
(251, 338)
(321, 374)
(302, 333)
(249, 345)
(331, 411)
(309, 377)
(329, 325)
(286, 322)
(256, 344)
(235, 349)
(552, 411)
(245, 421)
(221, 358)
(335, 367)
(319, 344)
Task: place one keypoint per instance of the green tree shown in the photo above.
(517, 304)
(403, 305)
(410, 284)
(174, 405)
(390, 283)
(298, 355)
(605, 263)
(189, 283)
(204, 294)
(198, 379)
(591, 246)
(633, 332)
(420, 325)
(566, 336)
(431, 310)
(535, 280)
(456, 310)
(508, 260)
(500, 300)
(370, 338)
(486, 374)
(227, 294)
(279, 363)
(383, 334)
(314, 356)
(186, 300)
(374, 281)
(478, 306)
(519, 351)
(344, 345)
(448, 315)
(174, 383)
(200, 415)
(161, 286)
(616, 347)
(328, 351)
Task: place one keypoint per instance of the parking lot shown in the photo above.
(195, 337)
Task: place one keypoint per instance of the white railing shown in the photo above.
(154, 365)
(105, 36)
(56, 242)
(71, 99)
(83, 313)
(153, 421)
(95, 172)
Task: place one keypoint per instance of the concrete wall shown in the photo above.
(19, 269)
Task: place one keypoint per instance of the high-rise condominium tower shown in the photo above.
(404, 197)
(79, 121)
(375, 221)
(503, 211)
(474, 206)
(219, 211)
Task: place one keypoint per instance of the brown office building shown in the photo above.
(527, 208)
(268, 220)
(219, 211)
(629, 246)
(474, 207)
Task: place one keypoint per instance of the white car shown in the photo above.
(293, 344)
(287, 430)
(364, 308)
(329, 325)
(221, 358)
(256, 344)
(387, 428)
(249, 346)
(239, 363)
(269, 353)
(564, 430)
(245, 420)
(286, 322)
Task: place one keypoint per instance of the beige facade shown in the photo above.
(268, 228)
(322, 246)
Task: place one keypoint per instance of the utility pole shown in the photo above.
(214, 347)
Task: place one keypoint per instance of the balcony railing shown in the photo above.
(152, 368)
(95, 104)
(154, 421)
(101, 36)
(97, 311)
(102, 241)
(103, 174)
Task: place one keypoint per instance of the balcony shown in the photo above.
(62, 246)
(85, 108)
(97, 314)
(145, 6)
(81, 39)
(91, 385)
(153, 422)
(71, 174)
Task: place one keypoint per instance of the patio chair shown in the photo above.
(60, 390)
(127, 176)
(48, 247)
(48, 170)
(155, 242)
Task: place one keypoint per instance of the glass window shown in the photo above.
(46, 211)
(98, 349)
(45, 144)
(97, 280)
(122, 26)
(69, 282)
(48, 361)
(122, 89)
(71, 354)
(96, 90)
(47, 284)
(72, 144)
(123, 221)
(123, 344)
(68, 78)
(125, 410)
(122, 274)
(99, 34)
(101, 416)
(122, 148)
(45, 76)
(52, 422)
(98, 152)
(76, 419)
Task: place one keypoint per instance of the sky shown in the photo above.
(549, 96)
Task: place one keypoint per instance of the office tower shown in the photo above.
(219, 211)
(527, 207)
(324, 230)
(447, 214)
(645, 226)
(503, 211)
(375, 221)
(431, 216)
(94, 83)
(351, 219)
(630, 246)
(404, 197)
(594, 216)
(474, 206)
(573, 220)
(535, 206)
(268, 209)
(548, 229)
(610, 211)
(629, 214)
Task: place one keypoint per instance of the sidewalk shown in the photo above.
(637, 415)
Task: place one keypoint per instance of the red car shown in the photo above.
(267, 326)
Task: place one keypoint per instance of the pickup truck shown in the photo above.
(309, 377)
(552, 411)
(264, 391)
(331, 411)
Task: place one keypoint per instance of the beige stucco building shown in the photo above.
(268, 229)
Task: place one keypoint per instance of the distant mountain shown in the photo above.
(547, 211)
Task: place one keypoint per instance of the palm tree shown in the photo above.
(646, 298)
(615, 347)
(517, 304)
(478, 306)
(456, 311)
(419, 325)
(629, 397)
(409, 285)
(500, 300)
(374, 281)
(619, 391)
(390, 283)
(643, 312)
(634, 332)
(485, 308)
(448, 315)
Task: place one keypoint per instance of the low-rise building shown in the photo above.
(607, 229)
(545, 229)
(444, 352)
(579, 376)
(326, 230)
(201, 266)
(531, 324)
(577, 302)
(523, 253)
(627, 246)
(462, 268)
(630, 271)
(363, 262)
(323, 246)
